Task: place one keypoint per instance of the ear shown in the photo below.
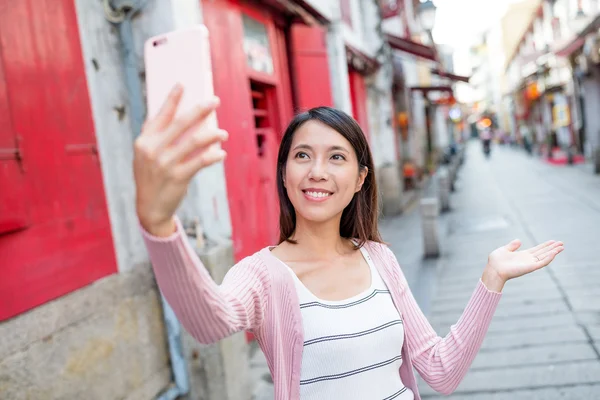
(364, 171)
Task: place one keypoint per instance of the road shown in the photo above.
(544, 341)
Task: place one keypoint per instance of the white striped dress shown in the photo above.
(352, 348)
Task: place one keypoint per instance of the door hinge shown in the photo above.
(15, 153)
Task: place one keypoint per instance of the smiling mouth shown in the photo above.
(317, 194)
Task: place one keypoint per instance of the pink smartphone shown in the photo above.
(181, 56)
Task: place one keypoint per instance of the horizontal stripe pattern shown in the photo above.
(348, 344)
(352, 304)
(352, 335)
(397, 394)
(350, 373)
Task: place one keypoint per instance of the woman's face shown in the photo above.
(322, 172)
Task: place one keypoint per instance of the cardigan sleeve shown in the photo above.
(444, 362)
(209, 312)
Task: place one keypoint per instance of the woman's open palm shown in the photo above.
(509, 263)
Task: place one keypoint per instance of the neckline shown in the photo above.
(355, 297)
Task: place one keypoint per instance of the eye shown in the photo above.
(338, 157)
(301, 155)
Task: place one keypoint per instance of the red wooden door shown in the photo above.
(14, 202)
(358, 95)
(67, 242)
(312, 83)
(255, 105)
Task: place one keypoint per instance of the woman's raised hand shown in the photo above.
(506, 262)
(168, 153)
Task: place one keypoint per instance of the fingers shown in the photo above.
(541, 246)
(548, 247)
(166, 113)
(188, 120)
(548, 257)
(197, 141)
(201, 160)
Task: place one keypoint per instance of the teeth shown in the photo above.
(318, 195)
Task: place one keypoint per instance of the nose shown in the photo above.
(318, 171)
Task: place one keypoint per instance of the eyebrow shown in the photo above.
(332, 148)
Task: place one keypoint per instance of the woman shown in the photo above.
(329, 305)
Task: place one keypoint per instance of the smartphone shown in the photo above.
(181, 56)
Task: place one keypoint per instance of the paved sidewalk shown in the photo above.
(544, 340)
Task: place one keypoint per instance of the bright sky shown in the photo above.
(459, 22)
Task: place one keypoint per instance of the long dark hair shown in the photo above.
(359, 218)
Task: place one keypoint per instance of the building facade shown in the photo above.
(547, 84)
(79, 308)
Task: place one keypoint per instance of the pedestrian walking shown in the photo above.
(329, 304)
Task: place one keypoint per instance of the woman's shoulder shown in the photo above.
(378, 248)
(263, 260)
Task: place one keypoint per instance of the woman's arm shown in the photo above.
(444, 362)
(209, 312)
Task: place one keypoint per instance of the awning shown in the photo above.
(427, 89)
(360, 61)
(450, 76)
(414, 48)
(578, 40)
(299, 9)
(571, 47)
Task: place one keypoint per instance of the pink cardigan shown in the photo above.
(258, 294)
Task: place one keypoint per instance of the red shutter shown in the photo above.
(358, 94)
(312, 83)
(68, 243)
(14, 207)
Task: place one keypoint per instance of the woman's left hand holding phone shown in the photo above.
(168, 153)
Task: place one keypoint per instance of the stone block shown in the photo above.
(518, 339)
(585, 392)
(580, 373)
(443, 178)
(543, 354)
(429, 220)
(115, 353)
(391, 189)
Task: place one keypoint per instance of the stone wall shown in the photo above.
(104, 341)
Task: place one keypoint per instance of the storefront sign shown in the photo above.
(560, 114)
(256, 46)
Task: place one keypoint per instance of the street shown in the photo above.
(544, 341)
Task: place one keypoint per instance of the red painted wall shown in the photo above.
(358, 95)
(56, 191)
(312, 83)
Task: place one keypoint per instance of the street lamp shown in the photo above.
(427, 12)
